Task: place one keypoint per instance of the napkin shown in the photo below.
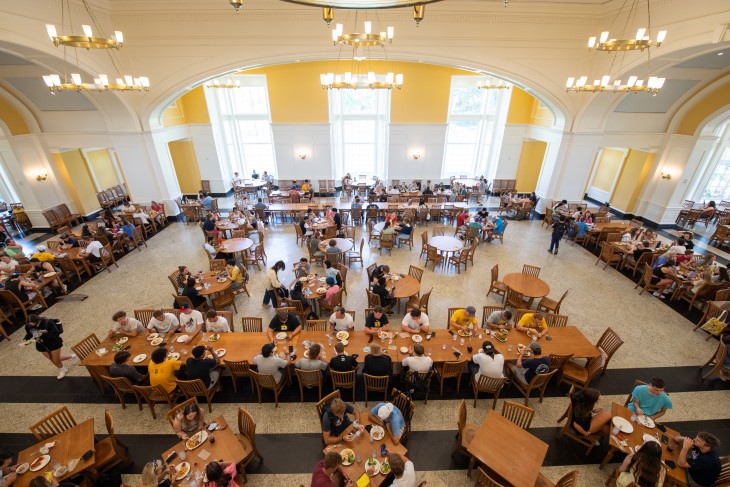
(203, 455)
(392, 347)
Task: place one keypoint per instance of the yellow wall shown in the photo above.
(528, 170)
(608, 167)
(186, 165)
(525, 109)
(78, 180)
(630, 181)
(103, 169)
(189, 108)
(12, 118)
(706, 107)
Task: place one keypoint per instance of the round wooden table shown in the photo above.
(236, 245)
(528, 286)
(344, 244)
(320, 224)
(210, 278)
(405, 287)
(446, 244)
(228, 225)
(313, 285)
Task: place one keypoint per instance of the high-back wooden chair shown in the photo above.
(252, 324)
(266, 381)
(109, 452)
(569, 431)
(581, 376)
(247, 437)
(316, 325)
(323, 404)
(496, 286)
(143, 315)
(465, 432)
(550, 305)
(432, 255)
(531, 270)
(518, 414)
(375, 384)
(419, 302)
(122, 386)
(556, 321)
(484, 480)
(53, 424)
(539, 383)
(716, 361)
(449, 370)
(239, 369)
(608, 344)
(86, 346)
(488, 384)
(344, 380)
(309, 379)
(196, 388)
(174, 412)
(154, 394)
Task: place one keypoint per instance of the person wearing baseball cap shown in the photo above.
(42, 254)
(527, 370)
(489, 362)
(387, 415)
(463, 319)
(68, 242)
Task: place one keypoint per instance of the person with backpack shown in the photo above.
(47, 335)
(559, 229)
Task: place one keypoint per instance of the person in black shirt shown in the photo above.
(342, 362)
(376, 321)
(699, 457)
(635, 252)
(120, 368)
(386, 297)
(335, 421)
(338, 219)
(688, 243)
(17, 285)
(378, 272)
(201, 368)
(69, 242)
(283, 321)
(376, 362)
(47, 335)
(210, 225)
(191, 293)
(559, 229)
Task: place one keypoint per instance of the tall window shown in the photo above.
(718, 187)
(359, 131)
(475, 125)
(241, 120)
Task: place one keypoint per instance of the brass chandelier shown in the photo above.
(229, 83)
(492, 83)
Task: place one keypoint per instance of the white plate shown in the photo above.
(198, 438)
(152, 336)
(220, 352)
(403, 349)
(304, 279)
(214, 337)
(199, 288)
(383, 335)
(60, 471)
(377, 432)
(182, 470)
(122, 340)
(321, 290)
(624, 425)
(139, 358)
(50, 274)
(182, 338)
(417, 338)
(44, 461)
(368, 466)
(22, 468)
(281, 335)
(342, 335)
(344, 342)
(647, 437)
(173, 356)
(156, 341)
(645, 421)
(345, 454)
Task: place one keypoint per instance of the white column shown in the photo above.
(218, 172)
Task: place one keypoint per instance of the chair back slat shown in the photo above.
(518, 414)
(252, 324)
(86, 346)
(316, 325)
(53, 424)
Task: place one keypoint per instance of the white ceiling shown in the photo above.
(38, 93)
(712, 60)
(672, 91)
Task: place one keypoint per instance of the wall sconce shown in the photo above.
(416, 154)
(302, 152)
(42, 176)
(302, 155)
(666, 175)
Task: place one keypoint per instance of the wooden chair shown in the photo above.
(122, 386)
(217, 264)
(539, 383)
(174, 412)
(330, 308)
(551, 306)
(343, 274)
(498, 287)
(299, 309)
(424, 378)
(424, 244)
(344, 379)
(192, 389)
(579, 375)
(69, 267)
(449, 370)
(483, 479)
(432, 255)
(420, 303)
(646, 281)
(465, 432)
(86, 346)
(570, 479)
(173, 279)
(372, 233)
(724, 479)
(608, 344)
(492, 385)
(518, 414)
(12, 302)
(500, 236)
(53, 424)
(252, 324)
(386, 242)
(266, 381)
(225, 298)
(517, 300)
(531, 270)
(462, 257)
(375, 384)
(415, 272)
(154, 394)
(258, 256)
(247, 437)
(716, 362)
(608, 255)
(568, 430)
(555, 321)
(316, 325)
(309, 379)
(323, 404)
(109, 451)
(184, 300)
(407, 408)
(354, 255)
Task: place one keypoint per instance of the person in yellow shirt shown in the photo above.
(234, 273)
(534, 321)
(463, 319)
(42, 254)
(306, 186)
(163, 371)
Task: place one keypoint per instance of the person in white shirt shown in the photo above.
(162, 322)
(126, 326)
(268, 363)
(419, 362)
(490, 363)
(415, 321)
(341, 321)
(678, 247)
(93, 249)
(403, 470)
(191, 321)
(394, 190)
(7, 264)
(215, 323)
(129, 208)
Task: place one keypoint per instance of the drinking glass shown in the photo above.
(430, 351)
(461, 342)
(454, 337)
(358, 458)
(509, 348)
(443, 346)
(182, 454)
(172, 348)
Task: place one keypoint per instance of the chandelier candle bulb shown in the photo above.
(570, 82)
(389, 78)
(51, 29)
(76, 77)
(119, 36)
(605, 80)
(591, 42)
(87, 31)
(368, 27)
(391, 30)
(640, 33)
(399, 79)
(128, 80)
(661, 36)
(604, 37)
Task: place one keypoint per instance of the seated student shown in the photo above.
(332, 247)
(416, 360)
(120, 368)
(206, 201)
(378, 272)
(314, 244)
(699, 457)
(268, 363)
(650, 399)
(210, 224)
(7, 264)
(497, 228)
(405, 230)
(708, 210)
(23, 289)
(387, 415)
(558, 206)
(162, 371)
(663, 277)
(357, 203)
(377, 363)
(283, 321)
(499, 320)
(527, 370)
(587, 419)
(643, 467)
(463, 218)
(191, 322)
(678, 246)
(69, 242)
(188, 421)
(40, 268)
(12, 249)
(312, 360)
(342, 362)
(191, 293)
(42, 254)
(211, 247)
(341, 321)
(535, 322)
(302, 268)
(335, 421)
(463, 319)
(376, 321)
(7, 473)
(297, 294)
(221, 474)
(662, 260)
(386, 297)
(154, 474)
(215, 323)
(199, 367)
(489, 363)
(332, 288)
(414, 322)
(482, 214)
(234, 274)
(332, 272)
(125, 326)
(634, 252)
(688, 243)
(162, 323)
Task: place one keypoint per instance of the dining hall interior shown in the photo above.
(169, 156)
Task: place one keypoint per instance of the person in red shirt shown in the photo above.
(328, 473)
(462, 218)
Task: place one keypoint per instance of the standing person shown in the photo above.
(559, 229)
(644, 467)
(650, 399)
(47, 335)
(699, 457)
(272, 284)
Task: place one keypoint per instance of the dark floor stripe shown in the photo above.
(429, 450)
(82, 390)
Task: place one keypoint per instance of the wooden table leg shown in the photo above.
(471, 466)
(608, 457)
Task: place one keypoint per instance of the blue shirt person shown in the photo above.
(650, 399)
(388, 415)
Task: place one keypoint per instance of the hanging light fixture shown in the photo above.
(86, 41)
(127, 83)
(366, 39)
(356, 80)
(633, 85)
(640, 41)
(229, 83)
(236, 4)
(492, 83)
